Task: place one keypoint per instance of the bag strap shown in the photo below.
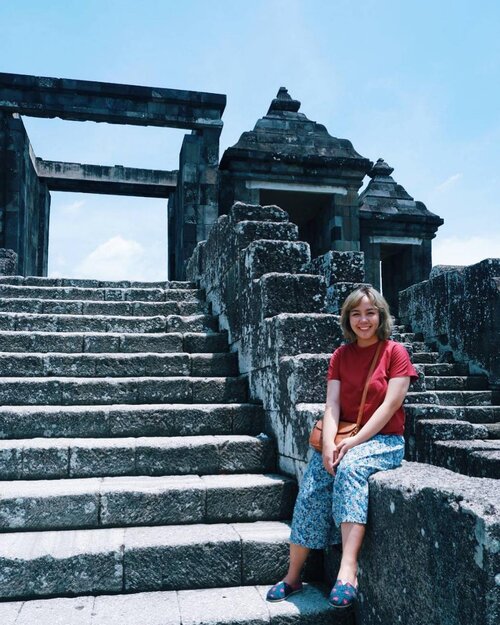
(365, 390)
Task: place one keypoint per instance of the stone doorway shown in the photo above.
(310, 211)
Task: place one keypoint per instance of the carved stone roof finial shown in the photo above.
(284, 102)
(381, 168)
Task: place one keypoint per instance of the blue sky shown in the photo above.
(416, 83)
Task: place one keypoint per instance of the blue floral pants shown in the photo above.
(325, 501)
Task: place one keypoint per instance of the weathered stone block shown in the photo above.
(19, 391)
(195, 342)
(219, 390)
(265, 551)
(245, 454)
(291, 334)
(262, 257)
(45, 459)
(49, 504)
(163, 390)
(411, 512)
(254, 212)
(171, 342)
(11, 461)
(177, 456)
(247, 231)
(148, 501)
(60, 562)
(278, 293)
(336, 266)
(248, 497)
(177, 557)
(102, 457)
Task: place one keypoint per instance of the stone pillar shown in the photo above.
(344, 221)
(193, 209)
(24, 200)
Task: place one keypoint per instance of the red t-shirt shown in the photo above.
(350, 364)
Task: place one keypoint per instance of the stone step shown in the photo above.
(450, 398)
(449, 429)
(473, 458)
(143, 390)
(422, 435)
(473, 414)
(112, 342)
(61, 458)
(445, 369)
(493, 430)
(407, 337)
(93, 284)
(129, 420)
(135, 559)
(143, 500)
(419, 347)
(237, 605)
(425, 357)
(74, 307)
(144, 294)
(118, 365)
(107, 323)
(456, 383)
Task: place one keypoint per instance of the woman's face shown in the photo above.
(364, 319)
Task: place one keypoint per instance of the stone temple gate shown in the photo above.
(287, 160)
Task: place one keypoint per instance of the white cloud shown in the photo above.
(448, 182)
(466, 250)
(116, 259)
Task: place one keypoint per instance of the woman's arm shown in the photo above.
(330, 424)
(394, 397)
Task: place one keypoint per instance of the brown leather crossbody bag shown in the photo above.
(345, 428)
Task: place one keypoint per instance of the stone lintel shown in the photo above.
(396, 240)
(297, 187)
(84, 100)
(111, 180)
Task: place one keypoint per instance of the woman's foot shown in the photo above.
(282, 590)
(343, 594)
(348, 573)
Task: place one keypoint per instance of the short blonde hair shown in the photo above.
(385, 322)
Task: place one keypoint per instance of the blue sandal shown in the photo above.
(342, 595)
(281, 591)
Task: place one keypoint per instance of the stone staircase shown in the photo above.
(136, 485)
(452, 419)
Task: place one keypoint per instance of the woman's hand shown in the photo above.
(343, 447)
(329, 456)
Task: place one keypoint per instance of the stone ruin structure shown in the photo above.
(152, 434)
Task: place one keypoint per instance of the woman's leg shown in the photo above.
(298, 557)
(312, 517)
(350, 494)
(352, 539)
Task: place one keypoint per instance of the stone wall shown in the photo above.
(24, 200)
(258, 280)
(432, 549)
(460, 310)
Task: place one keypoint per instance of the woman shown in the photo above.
(334, 491)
